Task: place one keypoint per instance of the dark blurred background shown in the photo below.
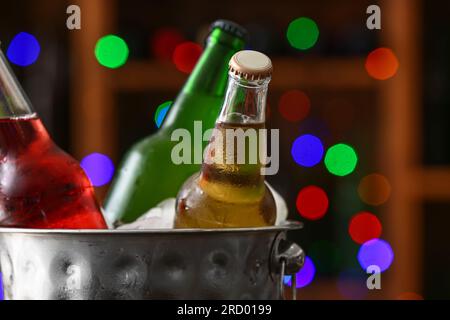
(399, 127)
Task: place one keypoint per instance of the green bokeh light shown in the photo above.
(302, 33)
(111, 51)
(341, 159)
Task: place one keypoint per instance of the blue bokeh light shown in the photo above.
(23, 50)
(305, 276)
(376, 252)
(307, 150)
(161, 115)
(99, 168)
(161, 112)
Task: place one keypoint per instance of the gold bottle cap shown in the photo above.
(251, 65)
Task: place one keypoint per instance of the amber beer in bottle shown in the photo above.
(41, 186)
(230, 190)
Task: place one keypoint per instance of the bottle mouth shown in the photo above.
(225, 38)
(231, 28)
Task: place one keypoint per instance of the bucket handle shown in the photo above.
(288, 259)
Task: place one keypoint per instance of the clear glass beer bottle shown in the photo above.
(230, 190)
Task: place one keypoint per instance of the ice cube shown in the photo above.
(163, 215)
(160, 217)
(280, 205)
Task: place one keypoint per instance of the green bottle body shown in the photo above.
(147, 174)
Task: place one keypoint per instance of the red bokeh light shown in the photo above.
(312, 202)
(382, 64)
(186, 55)
(164, 42)
(294, 105)
(364, 226)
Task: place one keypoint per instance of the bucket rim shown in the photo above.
(288, 225)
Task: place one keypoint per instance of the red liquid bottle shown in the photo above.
(40, 185)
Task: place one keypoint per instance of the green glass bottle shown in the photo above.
(147, 174)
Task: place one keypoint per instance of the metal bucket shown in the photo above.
(148, 264)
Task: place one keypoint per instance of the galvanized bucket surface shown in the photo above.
(148, 264)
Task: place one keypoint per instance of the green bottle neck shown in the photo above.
(210, 75)
(211, 72)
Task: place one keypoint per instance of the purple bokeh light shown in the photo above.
(376, 252)
(305, 276)
(99, 168)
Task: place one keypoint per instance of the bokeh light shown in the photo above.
(23, 50)
(363, 227)
(161, 112)
(312, 202)
(111, 51)
(294, 105)
(374, 189)
(307, 150)
(409, 296)
(341, 159)
(376, 252)
(351, 284)
(305, 276)
(99, 168)
(382, 64)
(164, 42)
(302, 33)
(186, 56)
